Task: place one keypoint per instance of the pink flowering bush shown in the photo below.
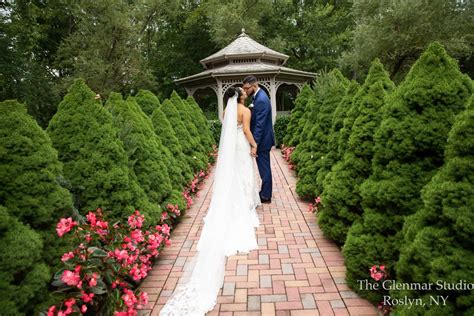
(286, 153)
(101, 273)
(314, 207)
(379, 274)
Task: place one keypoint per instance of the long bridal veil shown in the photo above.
(203, 277)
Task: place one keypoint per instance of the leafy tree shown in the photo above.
(398, 32)
(110, 58)
(341, 197)
(95, 162)
(438, 242)
(409, 146)
(313, 33)
(330, 90)
(295, 125)
(143, 148)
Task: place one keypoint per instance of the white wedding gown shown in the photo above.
(229, 226)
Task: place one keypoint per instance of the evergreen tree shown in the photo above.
(182, 133)
(32, 202)
(203, 125)
(147, 101)
(24, 276)
(409, 146)
(439, 237)
(143, 148)
(295, 125)
(304, 128)
(95, 162)
(332, 156)
(165, 132)
(190, 122)
(341, 197)
(330, 90)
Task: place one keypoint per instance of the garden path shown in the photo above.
(295, 271)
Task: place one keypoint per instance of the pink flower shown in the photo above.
(201, 174)
(93, 280)
(310, 207)
(64, 226)
(67, 256)
(83, 309)
(376, 275)
(129, 298)
(86, 298)
(317, 200)
(121, 254)
(137, 235)
(71, 278)
(165, 229)
(142, 299)
(136, 220)
(91, 218)
(51, 310)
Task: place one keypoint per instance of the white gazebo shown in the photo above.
(243, 57)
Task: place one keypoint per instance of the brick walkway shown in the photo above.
(295, 271)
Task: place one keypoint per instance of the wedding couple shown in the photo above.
(229, 226)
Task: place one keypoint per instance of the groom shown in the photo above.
(261, 127)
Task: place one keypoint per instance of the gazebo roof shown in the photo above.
(246, 68)
(245, 46)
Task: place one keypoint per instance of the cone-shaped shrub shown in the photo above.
(182, 133)
(29, 169)
(341, 197)
(185, 112)
(332, 156)
(304, 128)
(23, 277)
(295, 125)
(147, 101)
(329, 92)
(144, 149)
(409, 147)
(165, 132)
(439, 238)
(95, 162)
(202, 124)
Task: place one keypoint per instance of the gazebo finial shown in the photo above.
(243, 30)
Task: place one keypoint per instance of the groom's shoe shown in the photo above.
(266, 201)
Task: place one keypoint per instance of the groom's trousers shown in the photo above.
(263, 163)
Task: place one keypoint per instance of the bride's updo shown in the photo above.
(232, 91)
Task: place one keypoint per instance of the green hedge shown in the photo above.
(408, 150)
(280, 128)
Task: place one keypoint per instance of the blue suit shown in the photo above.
(261, 126)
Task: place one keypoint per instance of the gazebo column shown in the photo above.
(273, 100)
(220, 99)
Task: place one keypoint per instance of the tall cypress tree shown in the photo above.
(341, 197)
(330, 90)
(409, 146)
(95, 162)
(439, 237)
(144, 149)
(295, 125)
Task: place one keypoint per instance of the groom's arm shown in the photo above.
(260, 112)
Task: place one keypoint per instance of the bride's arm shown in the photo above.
(247, 132)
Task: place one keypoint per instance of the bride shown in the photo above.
(231, 219)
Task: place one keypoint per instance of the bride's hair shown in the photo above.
(232, 91)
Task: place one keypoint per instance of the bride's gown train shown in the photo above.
(229, 227)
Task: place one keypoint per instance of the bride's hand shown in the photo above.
(253, 152)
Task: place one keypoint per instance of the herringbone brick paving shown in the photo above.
(295, 271)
